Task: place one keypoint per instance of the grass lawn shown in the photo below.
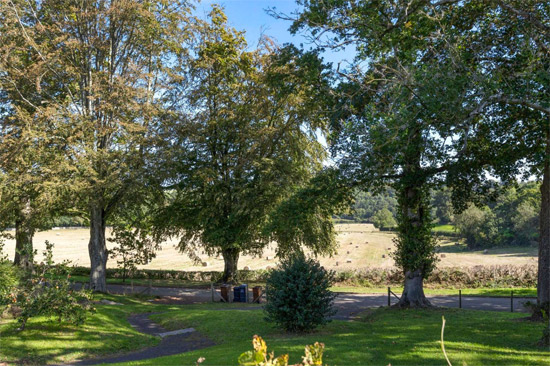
(379, 337)
(444, 228)
(47, 341)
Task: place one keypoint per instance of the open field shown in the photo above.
(360, 246)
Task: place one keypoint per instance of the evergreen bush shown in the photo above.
(298, 295)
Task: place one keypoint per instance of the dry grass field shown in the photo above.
(360, 246)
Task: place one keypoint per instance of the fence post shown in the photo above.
(512, 301)
(460, 299)
(389, 294)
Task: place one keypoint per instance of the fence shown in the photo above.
(391, 293)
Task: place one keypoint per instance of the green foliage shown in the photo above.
(260, 357)
(9, 278)
(134, 247)
(305, 218)
(384, 219)
(478, 226)
(47, 292)
(368, 203)
(511, 220)
(415, 243)
(298, 295)
(243, 139)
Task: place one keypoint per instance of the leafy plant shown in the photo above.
(298, 296)
(9, 278)
(260, 357)
(47, 292)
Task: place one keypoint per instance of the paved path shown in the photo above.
(347, 304)
(169, 345)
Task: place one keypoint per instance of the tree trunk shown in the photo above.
(230, 259)
(413, 293)
(543, 283)
(97, 250)
(24, 233)
(413, 240)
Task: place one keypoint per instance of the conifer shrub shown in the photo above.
(298, 295)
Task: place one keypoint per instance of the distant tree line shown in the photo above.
(510, 218)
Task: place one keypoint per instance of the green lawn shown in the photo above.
(46, 341)
(380, 337)
(444, 228)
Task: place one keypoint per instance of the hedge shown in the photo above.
(451, 277)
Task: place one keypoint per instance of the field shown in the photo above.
(360, 246)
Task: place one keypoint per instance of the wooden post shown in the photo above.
(389, 298)
(460, 299)
(512, 301)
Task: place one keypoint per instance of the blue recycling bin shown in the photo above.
(240, 293)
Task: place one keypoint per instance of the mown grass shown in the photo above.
(444, 228)
(44, 340)
(379, 337)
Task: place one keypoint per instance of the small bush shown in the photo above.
(298, 295)
(9, 277)
(47, 292)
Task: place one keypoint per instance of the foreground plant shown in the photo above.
(260, 357)
(47, 292)
(298, 296)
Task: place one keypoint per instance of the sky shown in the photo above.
(250, 16)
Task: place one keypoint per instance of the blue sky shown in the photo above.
(250, 16)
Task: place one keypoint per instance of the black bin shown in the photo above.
(240, 293)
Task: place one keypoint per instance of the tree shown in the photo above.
(31, 189)
(511, 39)
(243, 140)
(478, 226)
(383, 219)
(406, 111)
(111, 60)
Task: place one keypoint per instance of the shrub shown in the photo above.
(260, 357)
(9, 278)
(298, 295)
(47, 292)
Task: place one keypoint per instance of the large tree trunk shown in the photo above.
(24, 233)
(413, 293)
(97, 250)
(230, 259)
(543, 284)
(413, 242)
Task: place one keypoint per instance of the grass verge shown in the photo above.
(105, 332)
(379, 337)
